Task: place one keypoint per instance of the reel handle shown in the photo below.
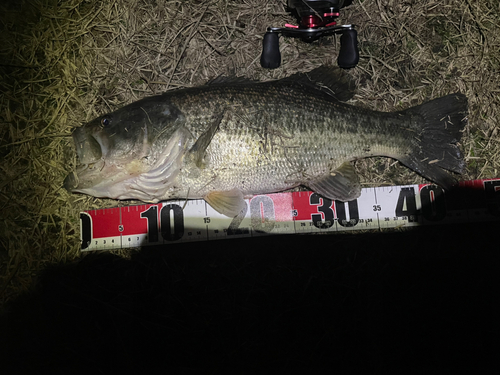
(349, 53)
(271, 56)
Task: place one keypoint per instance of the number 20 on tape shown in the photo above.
(297, 212)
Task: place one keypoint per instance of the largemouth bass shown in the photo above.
(234, 138)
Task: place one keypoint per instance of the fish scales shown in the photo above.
(282, 133)
(231, 139)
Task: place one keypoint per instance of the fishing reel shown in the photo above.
(316, 19)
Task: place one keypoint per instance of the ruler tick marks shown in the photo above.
(395, 206)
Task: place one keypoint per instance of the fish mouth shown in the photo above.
(85, 176)
(89, 152)
(88, 148)
(71, 181)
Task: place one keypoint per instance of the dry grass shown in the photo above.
(63, 63)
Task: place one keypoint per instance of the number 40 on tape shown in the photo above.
(288, 213)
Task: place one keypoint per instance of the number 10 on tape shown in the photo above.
(287, 213)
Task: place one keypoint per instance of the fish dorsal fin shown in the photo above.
(331, 80)
(197, 151)
(227, 80)
(341, 184)
(229, 203)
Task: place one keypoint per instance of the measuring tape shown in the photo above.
(287, 213)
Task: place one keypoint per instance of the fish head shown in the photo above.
(118, 146)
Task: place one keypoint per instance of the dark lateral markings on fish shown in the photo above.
(232, 139)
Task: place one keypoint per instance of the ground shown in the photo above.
(65, 62)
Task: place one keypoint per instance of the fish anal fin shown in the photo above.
(341, 184)
(229, 203)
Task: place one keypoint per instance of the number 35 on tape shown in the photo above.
(287, 213)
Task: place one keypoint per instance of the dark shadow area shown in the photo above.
(416, 300)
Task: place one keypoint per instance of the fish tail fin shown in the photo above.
(436, 141)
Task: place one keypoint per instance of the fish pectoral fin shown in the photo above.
(197, 152)
(342, 184)
(229, 203)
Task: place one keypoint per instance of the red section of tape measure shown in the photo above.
(297, 212)
(132, 221)
(106, 222)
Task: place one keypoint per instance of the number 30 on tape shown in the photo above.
(287, 213)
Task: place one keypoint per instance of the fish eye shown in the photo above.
(105, 121)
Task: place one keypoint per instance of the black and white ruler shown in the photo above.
(290, 213)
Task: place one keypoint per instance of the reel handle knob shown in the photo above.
(271, 56)
(349, 53)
